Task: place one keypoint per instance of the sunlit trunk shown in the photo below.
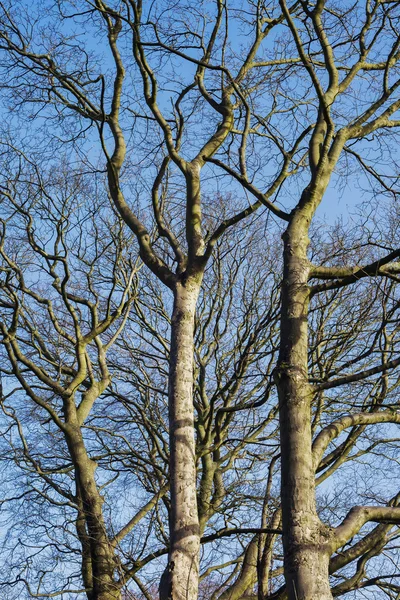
(305, 538)
(180, 582)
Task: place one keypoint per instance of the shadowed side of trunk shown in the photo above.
(305, 538)
(99, 564)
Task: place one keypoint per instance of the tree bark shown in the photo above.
(102, 559)
(247, 577)
(180, 581)
(86, 568)
(306, 539)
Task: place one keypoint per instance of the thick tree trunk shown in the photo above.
(86, 569)
(180, 582)
(305, 538)
(102, 559)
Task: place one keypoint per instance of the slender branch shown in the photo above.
(139, 515)
(327, 385)
(359, 516)
(333, 430)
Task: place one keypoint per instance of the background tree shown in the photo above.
(66, 293)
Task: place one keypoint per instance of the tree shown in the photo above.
(65, 298)
(86, 96)
(71, 286)
(278, 108)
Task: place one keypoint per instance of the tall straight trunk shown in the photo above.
(96, 542)
(305, 538)
(180, 581)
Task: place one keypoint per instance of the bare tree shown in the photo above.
(88, 94)
(67, 287)
(312, 87)
(66, 269)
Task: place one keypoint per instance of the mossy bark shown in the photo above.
(306, 539)
(99, 564)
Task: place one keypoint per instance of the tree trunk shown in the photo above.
(86, 568)
(265, 554)
(247, 576)
(305, 538)
(180, 581)
(102, 558)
